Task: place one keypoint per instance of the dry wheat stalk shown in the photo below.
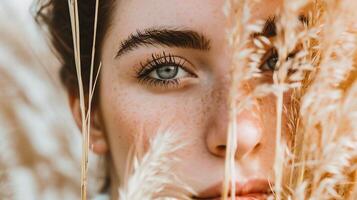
(324, 127)
(85, 113)
(329, 157)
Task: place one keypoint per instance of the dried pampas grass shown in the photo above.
(329, 155)
(152, 176)
(38, 157)
(320, 162)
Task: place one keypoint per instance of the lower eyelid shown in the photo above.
(170, 84)
(178, 83)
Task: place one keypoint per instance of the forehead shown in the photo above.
(200, 15)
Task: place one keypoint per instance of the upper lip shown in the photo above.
(251, 187)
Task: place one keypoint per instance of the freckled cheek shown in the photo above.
(267, 109)
(130, 112)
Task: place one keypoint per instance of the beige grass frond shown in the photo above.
(85, 112)
(152, 176)
(319, 162)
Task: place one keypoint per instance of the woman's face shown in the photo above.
(166, 64)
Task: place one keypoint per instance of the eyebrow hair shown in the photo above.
(270, 29)
(164, 37)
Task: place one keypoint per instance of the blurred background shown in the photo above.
(40, 146)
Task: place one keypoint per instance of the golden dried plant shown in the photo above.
(320, 162)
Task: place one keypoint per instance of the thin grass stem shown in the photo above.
(278, 164)
(85, 114)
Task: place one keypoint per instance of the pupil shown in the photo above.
(272, 62)
(167, 72)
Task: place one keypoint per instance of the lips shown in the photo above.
(255, 189)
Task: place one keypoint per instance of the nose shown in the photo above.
(248, 134)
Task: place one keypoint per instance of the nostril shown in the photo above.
(221, 148)
(257, 146)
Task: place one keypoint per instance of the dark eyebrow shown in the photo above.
(164, 37)
(270, 29)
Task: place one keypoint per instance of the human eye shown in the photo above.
(271, 58)
(164, 70)
(269, 61)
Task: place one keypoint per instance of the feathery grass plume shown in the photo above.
(295, 45)
(240, 29)
(35, 123)
(85, 112)
(244, 66)
(328, 155)
(151, 176)
(290, 38)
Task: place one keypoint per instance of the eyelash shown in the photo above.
(157, 61)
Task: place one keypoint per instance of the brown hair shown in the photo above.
(54, 17)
